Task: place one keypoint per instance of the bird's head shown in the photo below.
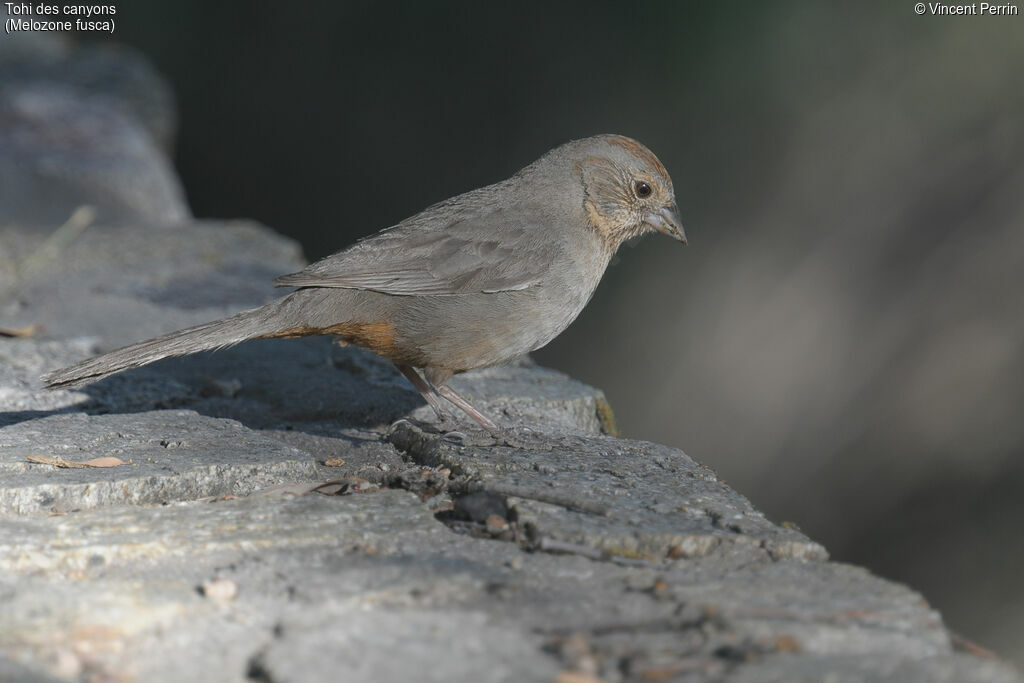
(627, 191)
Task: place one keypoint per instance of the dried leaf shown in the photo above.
(664, 673)
(219, 589)
(576, 677)
(496, 524)
(20, 332)
(57, 461)
(787, 643)
(109, 461)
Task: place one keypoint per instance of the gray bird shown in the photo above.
(474, 281)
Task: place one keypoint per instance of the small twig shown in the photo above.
(80, 219)
(530, 493)
(551, 545)
(970, 647)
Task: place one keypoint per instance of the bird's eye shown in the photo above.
(642, 189)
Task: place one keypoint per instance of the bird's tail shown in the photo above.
(255, 323)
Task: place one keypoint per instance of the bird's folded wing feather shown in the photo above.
(486, 252)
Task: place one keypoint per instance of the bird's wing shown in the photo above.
(487, 251)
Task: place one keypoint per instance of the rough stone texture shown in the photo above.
(291, 511)
(172, 455)
(373, 585)
(627, 498)
(569, 552)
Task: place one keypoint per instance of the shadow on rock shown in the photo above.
(307, 385)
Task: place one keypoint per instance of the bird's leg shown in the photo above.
(466, 407)
(426, 391)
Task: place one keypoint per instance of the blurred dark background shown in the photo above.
(842, 340)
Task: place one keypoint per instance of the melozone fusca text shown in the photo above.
(476, 280)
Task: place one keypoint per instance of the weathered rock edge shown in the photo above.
(570, 553)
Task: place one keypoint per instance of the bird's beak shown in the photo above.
(666, 220)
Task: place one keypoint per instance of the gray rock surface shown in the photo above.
(84, 125)
(571, 555)
(137, 281)
(290, 511)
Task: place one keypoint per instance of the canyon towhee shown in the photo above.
(476, 280)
